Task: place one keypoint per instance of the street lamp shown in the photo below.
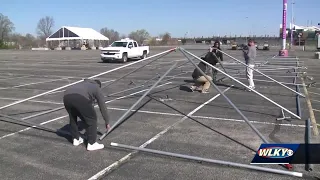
(292, 3)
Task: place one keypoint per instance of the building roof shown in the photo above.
(72, 33)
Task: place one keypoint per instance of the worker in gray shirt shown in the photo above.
(78, 101)
(249, 56)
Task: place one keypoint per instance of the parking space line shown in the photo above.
(44, 102)
(315, 100)
(41, 82)
(16, 77)
(314, 93)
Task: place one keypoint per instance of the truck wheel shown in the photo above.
(124, 57)
(144, 55)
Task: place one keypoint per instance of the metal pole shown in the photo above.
(106, 72)
(261, 80)
(34, 126)
(297, 97)
(244, 85)
(43, 113)
(137, 102)
(308, 136)
(292, 3)
(262, 73)
(228, 100)
(141, 85)
(296, 174)
(136, 70)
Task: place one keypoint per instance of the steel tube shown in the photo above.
(137, 102)
(103, 73)
(228, 100)
(43, 113)
(34, 125)
(261, 73)
(308, 136)
(296, 174)
(297, 97)
(141, 85)
(136, 69)
(261, 80)
(246, 86)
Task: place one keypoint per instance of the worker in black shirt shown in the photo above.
(217, 55)
(78, 101)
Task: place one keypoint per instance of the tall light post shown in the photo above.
(292, 3)
(248, 31)
(283, 51)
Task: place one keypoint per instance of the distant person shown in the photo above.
(78, 101)
(217, 54)
(249, 56)
(201, 80)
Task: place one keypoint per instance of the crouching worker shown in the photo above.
(79, 102)
(201, 80)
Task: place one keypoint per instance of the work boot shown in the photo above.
(77, 142)
(95, 146)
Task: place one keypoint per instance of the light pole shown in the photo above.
(248, 31)
(283, 51)
(292, 3)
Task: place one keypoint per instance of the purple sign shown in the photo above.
(284, 20)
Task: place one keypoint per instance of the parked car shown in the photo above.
(123, 50)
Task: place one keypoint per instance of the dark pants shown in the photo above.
(78, 106)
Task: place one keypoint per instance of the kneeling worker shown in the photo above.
(200, 79)
(78, 101)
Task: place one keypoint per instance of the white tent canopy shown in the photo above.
(76, 33)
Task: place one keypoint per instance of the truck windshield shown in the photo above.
(119, 44)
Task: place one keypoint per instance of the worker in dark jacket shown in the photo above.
(78, 101)
(201, 80)
(217, 55)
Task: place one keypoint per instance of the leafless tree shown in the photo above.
(111, 34)
(165, 38)
(139, 35)
(44, 27)
(6, 27)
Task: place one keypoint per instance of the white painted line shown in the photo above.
(64, 90)
(22, 85)
(316, 110)
(128, 156)
(44, 102)
(67, 115)
(313, 93)
(16, 77)
(315, 100)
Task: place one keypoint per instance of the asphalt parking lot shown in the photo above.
(217, 131)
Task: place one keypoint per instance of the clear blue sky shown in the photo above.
(199, 18)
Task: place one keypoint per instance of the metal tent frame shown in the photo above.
(174, 66)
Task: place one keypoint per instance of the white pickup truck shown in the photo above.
(123, 50)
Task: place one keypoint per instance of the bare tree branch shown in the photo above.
(139, 35)
(6, 27)
(111, 34)
(44, 27)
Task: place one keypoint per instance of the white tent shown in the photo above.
(76, 33)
